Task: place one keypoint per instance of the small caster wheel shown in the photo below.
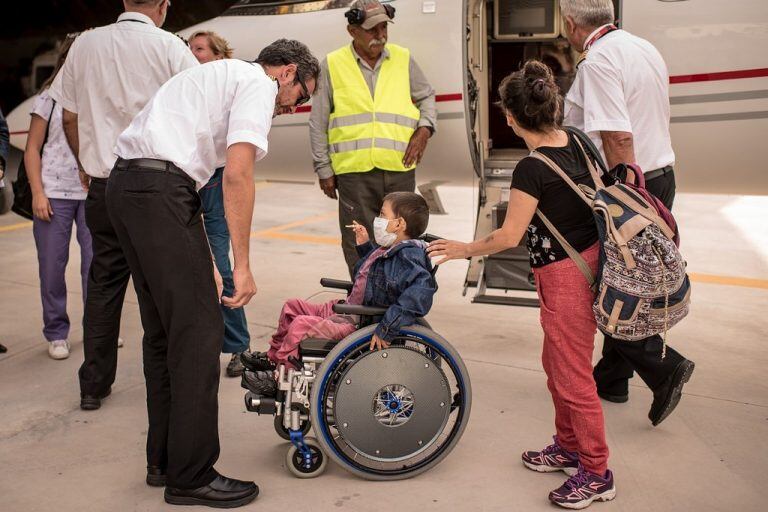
(295, 462)
(283, 432)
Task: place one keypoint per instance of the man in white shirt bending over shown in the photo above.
(620, 97)
(111, 72)
(215, 115)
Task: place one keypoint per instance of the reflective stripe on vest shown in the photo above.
(367, 132)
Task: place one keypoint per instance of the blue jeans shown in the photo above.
(236, 337)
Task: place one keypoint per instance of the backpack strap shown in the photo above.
(560, 172)
(581, 263)
(646, 211)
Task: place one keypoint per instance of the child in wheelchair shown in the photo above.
(394, 272)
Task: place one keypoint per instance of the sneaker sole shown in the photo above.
(550, 469)
(188, 500)
(58, 357)
(605, 496)
(677, 393)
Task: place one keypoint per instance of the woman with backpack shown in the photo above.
(58, 202)
(532, 104)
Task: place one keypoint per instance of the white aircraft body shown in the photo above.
(715, 51)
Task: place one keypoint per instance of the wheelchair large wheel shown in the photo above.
(395, 413)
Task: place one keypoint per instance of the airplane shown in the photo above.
(718, 92)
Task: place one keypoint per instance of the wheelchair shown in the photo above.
(381, 415)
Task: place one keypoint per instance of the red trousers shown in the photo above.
(569, 338)
(300, 319)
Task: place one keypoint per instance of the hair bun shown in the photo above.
(540, 90)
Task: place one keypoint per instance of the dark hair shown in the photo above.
(413, 209)
(289, 51)
(532, 97)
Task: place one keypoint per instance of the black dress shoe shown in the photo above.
(256, 361)
(667, 396)
(156, 476)
(92, 402)
(222, 492)
(611, 397)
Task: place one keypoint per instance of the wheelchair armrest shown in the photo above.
(336, 283)
(355, 309)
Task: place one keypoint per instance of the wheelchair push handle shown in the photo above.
(336, 283)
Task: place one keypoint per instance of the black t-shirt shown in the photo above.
(558, 201)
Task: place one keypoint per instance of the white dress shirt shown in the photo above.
(199, 113)
(109, 75)
(623, 85)
(59, 167)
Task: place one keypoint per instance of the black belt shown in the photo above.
(152, 164)
(658, 172)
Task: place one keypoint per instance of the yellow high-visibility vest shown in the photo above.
(367, 132)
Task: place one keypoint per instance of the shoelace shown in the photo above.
(553, 448)
(579, 479)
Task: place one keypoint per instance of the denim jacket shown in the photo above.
(400, 280)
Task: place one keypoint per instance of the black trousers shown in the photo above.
(157, 218)
(622, 358)
(360, 198)
(107, 282)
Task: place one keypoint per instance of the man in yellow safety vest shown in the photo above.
(371, 119)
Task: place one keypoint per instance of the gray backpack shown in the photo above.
(642, 287)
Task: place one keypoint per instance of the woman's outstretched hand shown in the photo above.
(448, 249)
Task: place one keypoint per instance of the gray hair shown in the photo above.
(588, 13)
(290, 51)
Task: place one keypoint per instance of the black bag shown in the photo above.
(22, 191)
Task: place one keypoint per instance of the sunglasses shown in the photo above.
(305, 96)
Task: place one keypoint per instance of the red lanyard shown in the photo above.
(607, 29)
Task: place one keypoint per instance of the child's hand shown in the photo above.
(361, 234)
(378, 343)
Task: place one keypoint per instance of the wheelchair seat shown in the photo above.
(316, 347)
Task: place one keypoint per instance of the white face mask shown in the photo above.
(380, 233)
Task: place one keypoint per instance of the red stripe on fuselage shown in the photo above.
(722, 75)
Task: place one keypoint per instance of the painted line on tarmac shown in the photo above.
(295, 224)
(299, 237)
(744, 282)
(14, 227)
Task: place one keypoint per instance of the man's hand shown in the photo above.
(328, 186)
(41, 207)
(245, 289)
(378, 343)
(416, 146)
(85, 180)
(361, 234)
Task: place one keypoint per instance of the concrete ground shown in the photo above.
(710, 455)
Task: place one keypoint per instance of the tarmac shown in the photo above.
(709, 455)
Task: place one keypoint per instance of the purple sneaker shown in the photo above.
(583, 488)
(552, 458)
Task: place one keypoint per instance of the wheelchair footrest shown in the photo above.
(259, 404)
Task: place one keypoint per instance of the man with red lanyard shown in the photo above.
(620, 98)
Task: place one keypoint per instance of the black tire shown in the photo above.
(283, 432)
(295, 463)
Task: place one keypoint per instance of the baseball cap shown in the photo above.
(374, 13)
